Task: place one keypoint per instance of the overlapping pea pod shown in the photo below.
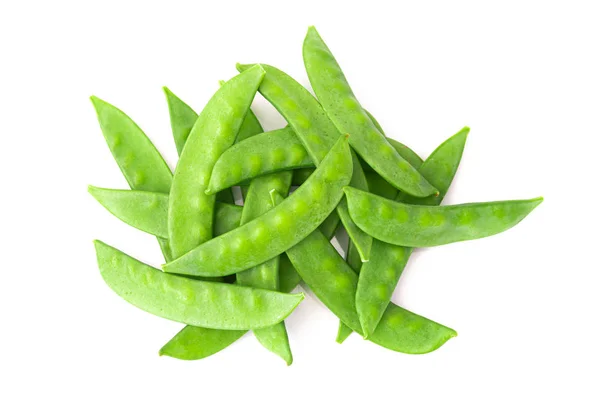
(279, 228)
(426, 226)
(183, 118)
(215, 130)
(338, 100)
(148, 211)
(274, 151)
(378, 278)
(207, 304)
(316, 132)
(334, 283)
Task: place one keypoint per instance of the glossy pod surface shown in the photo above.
(215, 130)
(279, 228)
(316, 132)
(338, 100)
(378, 278)
(334, 283)
(426, 226)
(147, 211)
(262, 154)
(194, 302)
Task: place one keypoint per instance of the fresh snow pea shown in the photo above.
(147, 211)
(194, 302)
(316, 131)
(427, 226)
(276, 230)
(140, 162)
(270, 152)
(378, 278)
(336, 97)
(334, 283)
(354, 262)
(215, 130)
(266, 276)
(195, 343)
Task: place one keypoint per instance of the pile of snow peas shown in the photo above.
(230, 268)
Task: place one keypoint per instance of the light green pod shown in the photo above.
(263, 154)
(378, 278)
(354, 262)
(215, 130)
(140, 162)
(316, 132)
(427, 226)
(147, 211)
(194, 302)
(336, 97)
(276, 230)
(334, 283)
(195, 343)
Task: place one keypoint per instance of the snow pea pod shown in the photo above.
(427, 226)
(334, 283)
(266, 276)
(195, 343)
(338, 100)
(378, 278)
(194, 302)
(279, 228)
(147, 211)
(140, 162)
(316, 132)
(215, 130)
(270, 152)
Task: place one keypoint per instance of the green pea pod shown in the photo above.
(336, 97)
(147, 211)
(354, 262)
(427, 226)
(263, 154)
(266, 276)
(334, 283)
(194, 302)
(316, 132)
(215, 130)
(378, 278)
(140, 162)
(276, 230)
(194, 343)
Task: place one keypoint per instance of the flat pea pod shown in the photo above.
(207, 304)
(354, 262)
(426, 226)
(316, 132)
(263, 154)
(147, 211)
(140, 162)
(266, 275)
(378, 278)
(276, 230)
(338, 100)
(195, 343)
(334, 283)
(215, 130)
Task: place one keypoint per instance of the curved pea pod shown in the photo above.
(195, 343)
(316, 132)
(194, 302)
(215, 130)
(338, 100)
(263, 154)
(378, 278)
(279, 228)
(334, 283)
(427, 226)
(140, 162)
(147, 211)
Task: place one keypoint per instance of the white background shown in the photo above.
(525, 76)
